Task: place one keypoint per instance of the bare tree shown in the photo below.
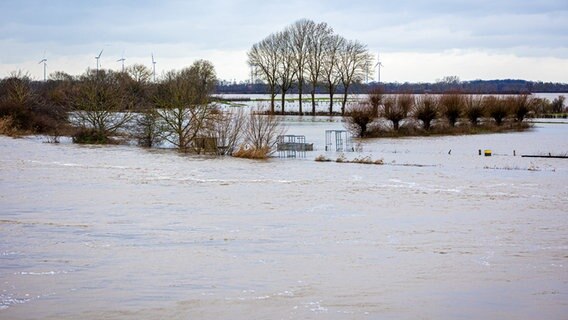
(316, 55)
(300, 33)
(353, 61)
(260, 136)
(228, 127)
(139, 73)
(183, 103)
(331, 75)
(100, 107)
(265, 59)
(287, 70)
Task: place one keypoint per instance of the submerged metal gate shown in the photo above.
(338, 140)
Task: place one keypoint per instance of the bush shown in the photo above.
(252, 153)
(557, 104)
(7, 126)
(474, 109)
(452, 107)
(497, 109)
(147, 131)
(29, 113)
(360, 116)
(520, 106)
(426, 110)
(90, 136)
(395, 109)
(376, 96)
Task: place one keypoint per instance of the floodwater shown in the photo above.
(120, 232)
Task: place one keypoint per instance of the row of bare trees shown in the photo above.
(306, 54)
(101, 106)
(445, 111)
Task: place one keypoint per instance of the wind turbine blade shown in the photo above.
(100, 54)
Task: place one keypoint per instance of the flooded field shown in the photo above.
(438, 232)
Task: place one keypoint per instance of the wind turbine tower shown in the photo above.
(153, 67)
(122, 60)
(44, 61)
(98, 57)
(378, 66)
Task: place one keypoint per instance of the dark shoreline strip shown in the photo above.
(543, 156)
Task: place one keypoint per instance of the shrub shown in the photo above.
(360, 116)
(261, 131)
(452, 107)
(28, 111)
(474, 109)
(90, 136)
(395, 109)
(520, 106)
(7, 126)
(557, 104)
(376, 96)
(426, 110)
(497, 109)
(252, 153)
(147, 131)
(322, 158)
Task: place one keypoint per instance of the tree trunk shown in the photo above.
(344, 102)
(300, 90)
(395, 125)
(283, 101)
(313, 93)
(331, 102)
(272, 96)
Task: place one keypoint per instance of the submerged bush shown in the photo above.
(375, 99)
(426, 110)
(358, 119)
(520, 106)
(396, 109)
(474, 109)
(252, 153)
(452, 107)
(91, 136)
(497, 109)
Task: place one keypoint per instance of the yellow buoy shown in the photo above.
(487, 153)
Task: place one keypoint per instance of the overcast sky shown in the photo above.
(418, 41)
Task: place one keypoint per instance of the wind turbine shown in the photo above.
(378, 66)
(153, 67)
(98, 57)
(122, 59)
(44, 61)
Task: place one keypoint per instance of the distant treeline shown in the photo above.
(507, 86)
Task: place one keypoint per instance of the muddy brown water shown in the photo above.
(120, 232)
